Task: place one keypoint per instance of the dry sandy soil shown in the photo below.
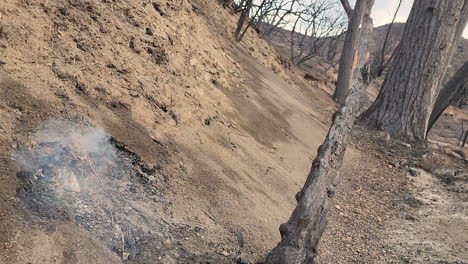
(140, 132)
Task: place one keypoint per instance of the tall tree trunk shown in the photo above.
(348, 58)
(367, 28)
(456, 88)
(405, 102)
(300, 236)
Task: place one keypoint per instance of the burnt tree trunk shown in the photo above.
(405, 102)
(456, 88)
(300, 236)
(348, 59)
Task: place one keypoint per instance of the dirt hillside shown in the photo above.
(141, 132)
(209, 135)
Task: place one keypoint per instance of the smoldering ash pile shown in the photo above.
(72, 171)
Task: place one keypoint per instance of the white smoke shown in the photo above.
(72, 171)
(78, 154)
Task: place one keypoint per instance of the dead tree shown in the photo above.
(245, 7)
(347, 59)
(332, 50)
(312, 29)
(293, 34)
(282, 9)
(455, 88)
(260, 12)
(367, 27)
(300, 236)
(404, 104)
(380, 61)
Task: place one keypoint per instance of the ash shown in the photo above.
(78, 173)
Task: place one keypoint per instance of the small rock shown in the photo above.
(167, 241)
(64, 11)
(384, 135)
(128, 209)
(149, 32)
(175, 116)
(410, 218)
(225, 253)
(413, 172)
(151, 178)
(444, 171)
(434, 162)
(394, 163)
(404, 163)
(134, 93)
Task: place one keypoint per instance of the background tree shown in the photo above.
(367, 27)
(348, 59)
(314, 25)
(244, 8)
(282, 10)
(380, 62)
(404, 104)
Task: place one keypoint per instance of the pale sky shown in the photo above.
(383, 11)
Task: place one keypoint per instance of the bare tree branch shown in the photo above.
(382, 63)
(347, 7)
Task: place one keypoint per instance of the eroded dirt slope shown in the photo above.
(212, 137)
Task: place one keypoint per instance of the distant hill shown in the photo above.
(279, 39)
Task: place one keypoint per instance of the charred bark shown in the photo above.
(300, 236)
(410, 88)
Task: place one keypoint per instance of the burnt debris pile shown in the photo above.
(78, 173)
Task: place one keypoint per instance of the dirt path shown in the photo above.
(390, 210)
(438, 228)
